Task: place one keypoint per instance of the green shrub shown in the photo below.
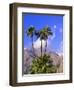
(43, 64)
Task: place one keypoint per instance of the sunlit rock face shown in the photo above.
(29, 56)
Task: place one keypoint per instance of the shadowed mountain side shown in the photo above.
(29, 56)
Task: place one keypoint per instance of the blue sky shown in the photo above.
(55, 22)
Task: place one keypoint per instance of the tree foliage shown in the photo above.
(43, 64)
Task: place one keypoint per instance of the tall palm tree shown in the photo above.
(31, 32)
(40, 35)
(43, 35)
(47, 32)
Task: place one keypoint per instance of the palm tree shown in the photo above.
(43, 35)
(47, 32)
(31, 32)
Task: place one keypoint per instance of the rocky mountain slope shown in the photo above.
(29, 56)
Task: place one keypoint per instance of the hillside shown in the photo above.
(29, 56)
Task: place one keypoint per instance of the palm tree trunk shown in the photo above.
(32, 45)
(41, 48)
(45, 47)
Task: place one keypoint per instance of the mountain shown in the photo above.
(29, 55)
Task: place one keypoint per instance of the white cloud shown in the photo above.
(53, 36)
(25, 48)
(54, 26)
(37, 43)
(60, 50)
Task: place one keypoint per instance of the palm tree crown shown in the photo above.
(31, 31)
